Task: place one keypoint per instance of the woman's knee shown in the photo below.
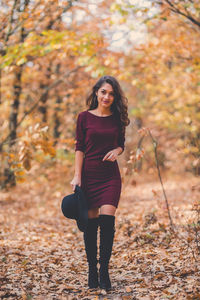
(93, 213)
(108, 209)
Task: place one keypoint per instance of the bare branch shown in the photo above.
(178, 11)
(160, 178)
(10, 21)
(52, 22)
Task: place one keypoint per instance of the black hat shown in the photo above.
(74, 206)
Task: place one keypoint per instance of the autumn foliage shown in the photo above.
(51, 53)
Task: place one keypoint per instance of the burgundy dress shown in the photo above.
(95, 136)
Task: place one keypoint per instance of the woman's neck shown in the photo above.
(102, 112)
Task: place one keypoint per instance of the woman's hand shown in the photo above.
(112, 155)
(75, 181)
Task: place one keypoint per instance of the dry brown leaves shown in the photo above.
(42, 253)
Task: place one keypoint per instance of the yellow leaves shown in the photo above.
(190, 149)
(36, 137)
(19, 173)
(21, 61)
(114, 6)
(47, 147)
(168, 69)
(39, 138)
(48, 41)
(11, 155)
(17, 167)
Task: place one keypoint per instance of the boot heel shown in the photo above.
(93, 281)
(105, 283)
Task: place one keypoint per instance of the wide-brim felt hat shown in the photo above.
(74, 206)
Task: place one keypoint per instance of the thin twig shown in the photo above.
(178, 11)
(160, 178)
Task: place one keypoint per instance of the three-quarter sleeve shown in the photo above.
(80, 133)
(121, 138)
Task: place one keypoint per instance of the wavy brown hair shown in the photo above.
(120, 104)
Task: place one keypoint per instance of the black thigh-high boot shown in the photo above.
(90, 239)
(107, 231)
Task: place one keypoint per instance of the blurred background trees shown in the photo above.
(52, 52)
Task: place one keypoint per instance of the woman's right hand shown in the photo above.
(75, 181)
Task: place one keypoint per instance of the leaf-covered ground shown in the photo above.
(42, 253)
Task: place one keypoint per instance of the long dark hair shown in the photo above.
(119, 106)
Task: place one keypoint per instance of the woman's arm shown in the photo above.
(79, 150)
(112, 155)
(79, 155)
(78, 163)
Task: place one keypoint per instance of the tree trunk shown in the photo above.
(15, 106)
(43, 103)
(56, 132)
(9, 177)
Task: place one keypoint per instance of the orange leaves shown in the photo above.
(36, 138)
(146, 263)
(17, 168)
(167, 79)
(136, 156)
(27, 161)
(40, 139)
(25, 155)
(144, 131)
(47, 147)
(139, 154)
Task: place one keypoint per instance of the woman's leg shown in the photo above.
(107, 231)
(107, 209)
(90, 239)
(93, 213)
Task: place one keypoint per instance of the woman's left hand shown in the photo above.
(111, 155)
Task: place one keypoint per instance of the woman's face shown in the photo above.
(105, 95)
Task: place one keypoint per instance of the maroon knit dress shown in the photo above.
(95, 136)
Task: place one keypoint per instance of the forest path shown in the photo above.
(42, 253)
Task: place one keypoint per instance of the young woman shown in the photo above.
(100, 136)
